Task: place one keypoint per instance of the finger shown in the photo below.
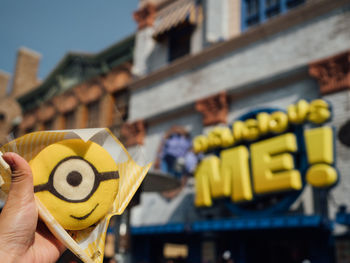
(21, 189)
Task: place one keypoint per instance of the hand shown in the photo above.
(22, 237)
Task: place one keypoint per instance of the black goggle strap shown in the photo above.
(101, 177)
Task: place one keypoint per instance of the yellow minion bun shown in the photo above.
(76, 181)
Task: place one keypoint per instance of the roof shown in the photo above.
(64, 76)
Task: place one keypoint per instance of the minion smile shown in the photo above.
(85, 216)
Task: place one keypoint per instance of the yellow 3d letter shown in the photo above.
(273, 165)
(209, 182)
(235, 170)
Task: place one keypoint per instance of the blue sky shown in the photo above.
(52, 28)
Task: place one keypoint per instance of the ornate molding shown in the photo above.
(45, 112)
(133, 133)
(146, 16)
(89, 92)
(214, 109)
(333, 73)
(116, 80)
(65, 102)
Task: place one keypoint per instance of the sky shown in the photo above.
(53, 28)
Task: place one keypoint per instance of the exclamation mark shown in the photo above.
(320, 155)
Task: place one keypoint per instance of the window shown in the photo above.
(174, 25)
(273, 7)
(93, 114)
(121, 100)
(48, 125)
(258, 11)
(179, 41)
(69, 120)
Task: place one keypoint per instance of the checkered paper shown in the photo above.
(87, 244)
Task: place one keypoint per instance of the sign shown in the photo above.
(267, 152)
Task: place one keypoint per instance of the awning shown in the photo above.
(161, 229)
(259, 223)
(285, 222)
(175, 14)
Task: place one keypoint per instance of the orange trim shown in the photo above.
(146, 16)
(133, 133)
(65, 102)
(45, 112)
(89, 92)
(332, 73)
(214, 109)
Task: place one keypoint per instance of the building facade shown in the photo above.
(83, 91)
(245, 102)
(206, 74)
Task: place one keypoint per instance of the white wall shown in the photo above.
(341, 193)
(280, 53)
(144, 46)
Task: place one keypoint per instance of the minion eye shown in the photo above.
(75, 180)
(74, 183)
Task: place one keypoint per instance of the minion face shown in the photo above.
(77, 182)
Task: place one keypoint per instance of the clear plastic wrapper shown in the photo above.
(88, 244)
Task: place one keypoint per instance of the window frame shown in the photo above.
(69, 118)
(93, 110)
(262, 14)
(49, 125)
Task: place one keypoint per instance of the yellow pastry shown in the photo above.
(77, 182)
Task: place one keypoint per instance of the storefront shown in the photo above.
(259, 191)
(275, 244)
(254, 124)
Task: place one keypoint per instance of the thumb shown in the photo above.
(21, 189)
(18, 219)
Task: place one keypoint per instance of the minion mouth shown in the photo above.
(85, 216)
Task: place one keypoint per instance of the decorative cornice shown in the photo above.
(332, 73)
(65, 102)
(45, 112)
(146, 16)
(133, 133)
(89, 92)
(116, 80)
(214, 109)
